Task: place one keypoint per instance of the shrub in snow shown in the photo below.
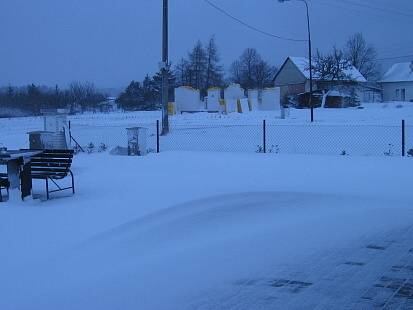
(103, 147)
(344, 153)
(410, 153)
(90, 147)
(260, 149)
(77, 149)
(274, 149)
(399, 106)
(389, 152)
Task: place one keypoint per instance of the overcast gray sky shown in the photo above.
(111, 42)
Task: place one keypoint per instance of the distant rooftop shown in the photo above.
(302, 64)
(400, 72)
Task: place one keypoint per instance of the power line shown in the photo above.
(396, 57)
(386, 10)
(250, 26)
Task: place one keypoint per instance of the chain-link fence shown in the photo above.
(262, 137)
(409, 140)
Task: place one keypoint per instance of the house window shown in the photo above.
(397, 94)
(403, 94)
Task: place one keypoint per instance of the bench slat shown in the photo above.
(50, 155)
(47, 170)
(57, 151)
(47, 164)
(50, 175)
(50, 160)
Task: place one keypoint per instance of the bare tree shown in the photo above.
(263, 74)
(249, 60)
(362, 56)
(330, 68)
(84, 94)
(236, 72)
(183, 73)
(251, 71)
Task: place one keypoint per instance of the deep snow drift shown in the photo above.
(203, 231)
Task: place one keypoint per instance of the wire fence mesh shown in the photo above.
(317, 139)
(368, 140)
(409, 140)
(216, 138)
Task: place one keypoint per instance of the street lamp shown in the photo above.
(309, 57)
(164, 69)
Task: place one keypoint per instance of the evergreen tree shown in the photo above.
(198, 64)
(213, 74)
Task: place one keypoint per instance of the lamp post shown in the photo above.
(164, 69)
(310, 102)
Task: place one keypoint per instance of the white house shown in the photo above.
(397, 83)
(293, 78)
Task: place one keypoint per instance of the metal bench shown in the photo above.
(53, 165)
(4, 184)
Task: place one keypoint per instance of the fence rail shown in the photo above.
(263, 137)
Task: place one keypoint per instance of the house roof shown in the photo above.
(399, 72)
(302, 64)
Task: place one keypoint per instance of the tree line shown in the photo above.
(32, 99)
(200, 69)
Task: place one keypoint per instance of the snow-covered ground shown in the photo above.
(184, 230)
(373, 130)
(213, 230)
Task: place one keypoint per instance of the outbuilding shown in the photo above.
(397, 83)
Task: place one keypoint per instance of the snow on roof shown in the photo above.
(399, 72)
(302, 64)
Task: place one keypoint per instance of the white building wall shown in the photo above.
(213, 99)
(289, 75)
(234, 91)
(187, 99)
(254, 99)
(390, 91)
(270, 99)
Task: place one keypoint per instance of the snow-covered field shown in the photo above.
(212, 230)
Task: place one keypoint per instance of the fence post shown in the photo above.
(403, 138)
(70, 135)
(264, 141)
(157, 137)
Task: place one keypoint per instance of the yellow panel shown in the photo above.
(171, 108)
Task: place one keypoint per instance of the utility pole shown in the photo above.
(164, 68)
(310, 63)
(310, 101)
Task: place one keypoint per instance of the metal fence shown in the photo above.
(263, 137)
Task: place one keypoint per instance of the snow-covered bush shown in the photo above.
(102, 147)
(90, 147)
